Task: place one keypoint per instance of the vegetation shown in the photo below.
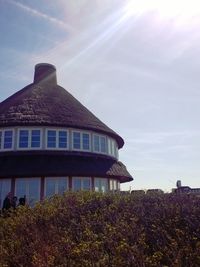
(91, 229)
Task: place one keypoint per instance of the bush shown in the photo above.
(92, 229)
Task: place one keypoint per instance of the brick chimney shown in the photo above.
(45, 73)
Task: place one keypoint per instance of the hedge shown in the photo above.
(93, 229)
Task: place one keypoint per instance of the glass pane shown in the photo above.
(109, 147)
(118, 185)
(86, 183)
(8, 139)
(5, 188)
(76, 140)
(28, 187)
(96, 143)
(104, 185)
(35, 138)
(34, 191)
(62, 185)
(50, 184)
(20, 188)
(23, 138)
(101, 184)
(103, 144)
(114, 184)
(113, 148)
(77, 184)
(51, 139)
(62, 139)
(97, 185)
(0, 139)
(111, 185)
(116, 151)
(86, 141)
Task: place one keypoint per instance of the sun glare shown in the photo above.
(183, 9)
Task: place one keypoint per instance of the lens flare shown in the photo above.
(183, 9)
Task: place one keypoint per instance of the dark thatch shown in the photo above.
(48, 104)
(29, 164)
(44, 103)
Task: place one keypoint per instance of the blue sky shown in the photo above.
(135, 64)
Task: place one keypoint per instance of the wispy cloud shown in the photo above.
(39, 14)
(162, 137)
(88, 40)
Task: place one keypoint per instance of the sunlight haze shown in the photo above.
(134, 64)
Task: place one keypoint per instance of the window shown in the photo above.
(113, 185)
(76, 184)
(51, 138)
(116, 151)
(103, 144)
(100, 144)
(35, 138)
(62, 142)
(109, 146)
(57, 139)
(0, 139)
(101, 184)
(96, 143)
(76, 140)
(5, 188)
(8, 139)
(28, 187)
(81, 183)
(81, 141)
(86, 184)
(23, 138)
(55, 185)
(118, 185)
(29, 138)
(112, 148)
(86, 141)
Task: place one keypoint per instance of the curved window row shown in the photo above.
(56, 139)
(31, 188)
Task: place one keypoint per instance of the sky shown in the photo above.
(134, 64)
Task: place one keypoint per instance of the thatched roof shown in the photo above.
(44, 103)
(30, 164)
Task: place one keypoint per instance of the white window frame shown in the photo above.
(81, 141)
(29, 138)
(81, 178)
(56, 184)
(3, 139)
(110, 143)
(106, 143)
(57, 139)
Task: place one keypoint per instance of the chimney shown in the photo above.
(45, 73)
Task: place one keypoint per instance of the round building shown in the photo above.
(51, 143)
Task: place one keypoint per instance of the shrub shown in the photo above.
(93, 229)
